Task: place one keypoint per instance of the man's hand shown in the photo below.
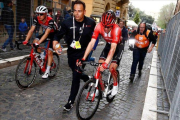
(36, 45)
(25, 42)
(149, 49)
(58, 51)
(79, 62)
(103, 66)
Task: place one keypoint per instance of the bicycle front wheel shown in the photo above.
(109, 97)
(25, 73)
(87, 105)
(54, 65)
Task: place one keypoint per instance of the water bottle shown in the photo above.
(59, 48)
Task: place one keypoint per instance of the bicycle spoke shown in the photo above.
(87, 103)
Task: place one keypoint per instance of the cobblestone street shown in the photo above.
(46, 98)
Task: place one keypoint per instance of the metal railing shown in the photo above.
(169, 53)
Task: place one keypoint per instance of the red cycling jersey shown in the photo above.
(50, 23)
(114, 36)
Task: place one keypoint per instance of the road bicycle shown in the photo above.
(88, 99)
(27, 68)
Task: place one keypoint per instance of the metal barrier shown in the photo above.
(169, 52)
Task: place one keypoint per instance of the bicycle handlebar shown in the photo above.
(80, 69)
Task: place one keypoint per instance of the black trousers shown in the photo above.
(138, 57)
(75, 78)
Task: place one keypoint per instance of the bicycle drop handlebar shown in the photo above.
(80, 68)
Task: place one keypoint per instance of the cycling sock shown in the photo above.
(48, 68)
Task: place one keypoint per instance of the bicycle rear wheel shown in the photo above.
(25, 77)
(109, 97)
(55, 65)
(86, 106)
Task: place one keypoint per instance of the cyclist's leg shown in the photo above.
(112, 69)
(50, 58)
(113, 66)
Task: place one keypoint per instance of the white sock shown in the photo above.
(48, 68)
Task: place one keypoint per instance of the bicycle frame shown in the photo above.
(98, 77)
(34, 56)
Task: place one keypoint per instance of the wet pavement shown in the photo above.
(46, 98)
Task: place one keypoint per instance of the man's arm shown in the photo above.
(111, 52)
(48, 30)
(153, 40)
(30, 33)
(89, 48)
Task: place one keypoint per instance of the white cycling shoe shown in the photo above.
(46, 74)
(96, 94)
(114, 90)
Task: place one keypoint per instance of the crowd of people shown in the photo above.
(81, 36)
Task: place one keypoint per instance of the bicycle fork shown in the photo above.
(106, 92)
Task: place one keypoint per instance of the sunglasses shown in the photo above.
(107, 27)
(40, 14)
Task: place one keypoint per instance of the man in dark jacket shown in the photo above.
(78, 32)
(8, 21)
(124, 31)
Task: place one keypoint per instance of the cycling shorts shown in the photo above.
(117, 55)
(49, 38)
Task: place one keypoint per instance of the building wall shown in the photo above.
(97, 7)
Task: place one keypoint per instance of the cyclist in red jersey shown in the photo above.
(111, 33)
(50, 28)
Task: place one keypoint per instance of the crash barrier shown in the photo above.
(169, 53)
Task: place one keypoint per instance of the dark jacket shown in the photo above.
(124, 34)
(8, 16)
(67, 30)
(23, 27)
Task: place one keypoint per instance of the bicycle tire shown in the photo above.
(109, 97)
(55, 65)
(22, 79)
(82, 112)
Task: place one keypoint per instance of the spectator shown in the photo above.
(58, 18)
(8, 21)
(50, 13)
(143, 38)
(23, 28)
(67, 13)
(124, 36)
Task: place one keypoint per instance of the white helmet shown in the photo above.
(41, 9)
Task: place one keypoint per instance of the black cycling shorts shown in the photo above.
(49, 38)
(117, 55)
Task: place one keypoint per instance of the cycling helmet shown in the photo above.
(108, 18)
(41, 9)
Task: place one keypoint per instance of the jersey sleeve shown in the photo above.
(35, 21)
(116, 35)
(52, 25)
(96, 31)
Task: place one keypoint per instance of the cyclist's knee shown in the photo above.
(50, 52)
